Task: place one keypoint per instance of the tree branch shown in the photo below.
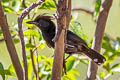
(91, 12)
(97, 42)
(59, 44)
(2, 39)
(20, 20)
(33, 64)
(23, 3)
(10, 44)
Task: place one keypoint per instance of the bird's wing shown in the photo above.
(74, 39)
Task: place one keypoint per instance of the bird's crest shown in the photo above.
(43, 16)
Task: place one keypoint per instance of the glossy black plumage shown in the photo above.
(74, 44)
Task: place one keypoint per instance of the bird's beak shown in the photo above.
(31, 22)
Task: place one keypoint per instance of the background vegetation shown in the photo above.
(83, 24)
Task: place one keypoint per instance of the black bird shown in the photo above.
(74, 43)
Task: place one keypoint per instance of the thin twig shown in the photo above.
(33, 64)
(37, 58)
(20, 20)
(91, 12)
(23, 3)
(3, 39)
(31, 53)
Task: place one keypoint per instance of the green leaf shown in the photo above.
(115, 66)
(16, 40)
(29, 46)
(6, 0)
(71, 75)
(31, 33)
(70, 63)
(84, 61)
(10, 70)
(97, 7)
(0, 32)
(107, 45)
(30, 69)
(77, 29)
(7, 9)
(48, 4)
(42, 45)
(2, 72)
(102, 74)
(14, 3)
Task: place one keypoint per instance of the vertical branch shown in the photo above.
(37, 68)
(20, 20)
(33, 64)
(68, 14)
(31, 53)
(97, 42)
(10, 44)
(59, 44)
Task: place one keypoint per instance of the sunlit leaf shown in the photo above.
(35, 59)
(75, 72)
(70, 75)
(70, 63)
(30, 69)
(11, 70)
(102, 74)
(8, 73)
(7, 9)
(48, 4)
(31, 33)
(42, 45)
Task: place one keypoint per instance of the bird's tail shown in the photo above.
(95, 56)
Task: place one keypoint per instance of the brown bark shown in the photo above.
(20, 20)
(99, 33)
(60, 38)
(10, 44)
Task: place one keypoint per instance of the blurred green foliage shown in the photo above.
(111, 48)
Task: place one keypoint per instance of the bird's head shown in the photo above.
(42, 22)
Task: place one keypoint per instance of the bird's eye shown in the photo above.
(44, 23)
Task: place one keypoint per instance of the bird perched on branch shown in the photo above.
(74, 45)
